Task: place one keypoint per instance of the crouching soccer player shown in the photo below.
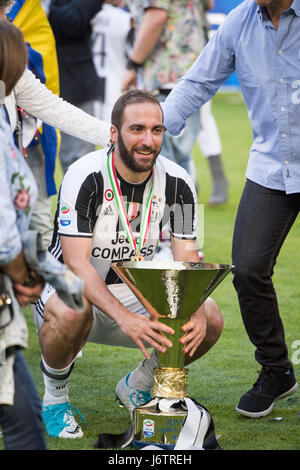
(90, 234)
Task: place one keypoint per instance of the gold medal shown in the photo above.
(137, 257)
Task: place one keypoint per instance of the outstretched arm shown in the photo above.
(37, 100)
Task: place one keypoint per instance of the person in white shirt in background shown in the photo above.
(111, 40)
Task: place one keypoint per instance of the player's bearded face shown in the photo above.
(138, 157)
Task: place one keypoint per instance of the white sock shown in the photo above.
(142, 377)
(56, 390)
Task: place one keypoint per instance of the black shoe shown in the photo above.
(269, 387)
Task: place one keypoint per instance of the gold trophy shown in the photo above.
(171, 292)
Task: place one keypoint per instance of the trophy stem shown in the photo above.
(170, 382)
(173, 357)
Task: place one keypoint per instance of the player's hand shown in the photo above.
(129, 80)
(143, 330)
(195, 332)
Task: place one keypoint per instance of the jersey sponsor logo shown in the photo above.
(120, 253)
(121, 238)
(109, 195)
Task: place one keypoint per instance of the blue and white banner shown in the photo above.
(216, 17)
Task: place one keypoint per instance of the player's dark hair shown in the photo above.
(131, 97)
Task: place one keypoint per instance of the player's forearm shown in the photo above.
(185, 250)
(97, 293)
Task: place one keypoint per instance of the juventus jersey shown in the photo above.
(87, 208)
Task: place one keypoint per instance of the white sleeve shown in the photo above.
(76, 215)
(37, 100)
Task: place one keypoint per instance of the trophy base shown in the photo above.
(154, 427)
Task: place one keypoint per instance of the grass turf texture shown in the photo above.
(229, 369)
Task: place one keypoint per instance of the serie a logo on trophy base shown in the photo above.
(171, 292)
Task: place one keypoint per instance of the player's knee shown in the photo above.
(65, 320)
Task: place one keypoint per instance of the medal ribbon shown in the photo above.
(121, 206)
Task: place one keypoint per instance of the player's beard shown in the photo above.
(128, 156)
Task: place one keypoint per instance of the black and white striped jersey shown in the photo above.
(87, 208)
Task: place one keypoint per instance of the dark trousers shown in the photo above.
(22, 423)
(263, 221)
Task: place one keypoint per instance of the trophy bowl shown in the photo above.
(171, 291)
